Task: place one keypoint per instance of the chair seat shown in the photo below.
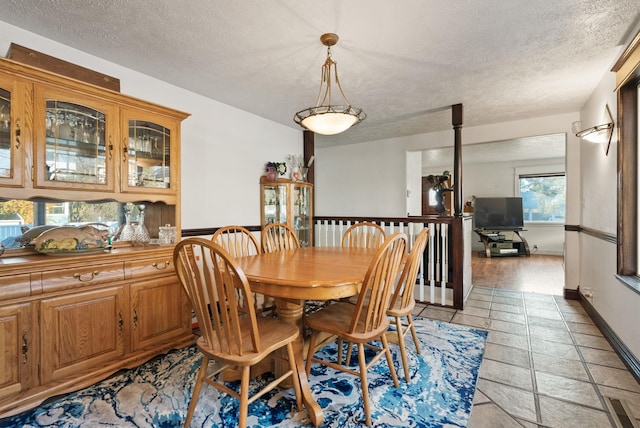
(401, 311)
(273, 334)
(336, 319)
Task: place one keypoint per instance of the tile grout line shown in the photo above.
(592, 381)
(534, 381)
(506, 412)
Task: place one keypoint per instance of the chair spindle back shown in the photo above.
(364, 235)
(238, 241)
(219, 293)
(403, 294)
(378, 284)
(279, 237)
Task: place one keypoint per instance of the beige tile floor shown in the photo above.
(546, 364)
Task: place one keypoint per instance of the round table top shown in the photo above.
(311, 273)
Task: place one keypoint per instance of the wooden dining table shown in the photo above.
(310, 273)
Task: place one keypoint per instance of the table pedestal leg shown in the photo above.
(291, 312)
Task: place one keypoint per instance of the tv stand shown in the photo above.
(496, 243)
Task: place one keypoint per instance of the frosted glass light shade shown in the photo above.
(329, 120)
(597, 134)
(329, 123)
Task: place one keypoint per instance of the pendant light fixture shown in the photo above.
(327, 118)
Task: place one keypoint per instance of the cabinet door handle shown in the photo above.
(135, 319)
(17, 133)
(120, 322)
(79, 277)
(125, 150)
(25, 347)
(161, 266)
(110, 148)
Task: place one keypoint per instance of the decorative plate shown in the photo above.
(71, 240)
(63, 253)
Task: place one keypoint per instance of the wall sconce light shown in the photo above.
(600, 133)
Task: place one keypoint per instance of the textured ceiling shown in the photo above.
(550, 146)
(403, 62)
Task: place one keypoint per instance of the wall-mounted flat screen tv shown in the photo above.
(499, 213)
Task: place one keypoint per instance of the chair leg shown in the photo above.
(347, 362)
(403, 350)
(413, 333)
(244, 396)
(204, 364)
(295, 379)
(365, 385)
(392, 369)
(312, 345)
(340, 342)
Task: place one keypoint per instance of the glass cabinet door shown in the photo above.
(76, 151)
(301, 214)
(149, 156)
(275, 204)
(12, 132)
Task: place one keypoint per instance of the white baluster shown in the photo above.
(445, 264)
(432, 262)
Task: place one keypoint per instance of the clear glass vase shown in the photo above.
(141, 237)
(126, 234)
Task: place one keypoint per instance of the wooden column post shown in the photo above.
(309, 150)
(456, 119)
(309, 147)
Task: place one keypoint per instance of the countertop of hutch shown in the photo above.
(37, 262)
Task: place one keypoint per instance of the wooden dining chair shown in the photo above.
(238, 241)
(279, 237)
(403, 300)
(363, 235)
(232, 334)
(365, 322)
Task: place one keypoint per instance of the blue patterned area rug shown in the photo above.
(157, 393)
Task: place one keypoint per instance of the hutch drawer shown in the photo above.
(94, 274)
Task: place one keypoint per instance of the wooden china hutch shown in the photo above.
(70, 321)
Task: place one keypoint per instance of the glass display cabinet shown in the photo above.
(73, 153)
(12, 131)
(74, 147)
(150, 153)
(6, 148)
(288, 202)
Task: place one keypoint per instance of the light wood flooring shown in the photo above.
(537, 273)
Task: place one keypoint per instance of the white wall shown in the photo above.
(617, 304)
(375, 182)
(372, 175)
(361, 180)
(223, 149)
(414, 183)
(499, 179)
